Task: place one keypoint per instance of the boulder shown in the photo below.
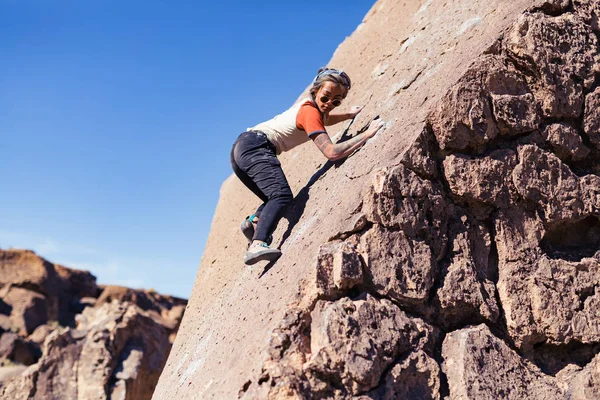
(18, 350)
(561, 53)
(115, 352)
(354, 342)
(591, 119)
(467, 293)
(28, 309)
(478, 365)
(565, 142)
(475, 212)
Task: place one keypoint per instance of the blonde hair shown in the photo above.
(330, 75)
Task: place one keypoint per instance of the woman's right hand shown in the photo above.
(374, 127)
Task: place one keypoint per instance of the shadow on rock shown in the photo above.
(295, 211)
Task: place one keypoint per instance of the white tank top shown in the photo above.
(282, 130)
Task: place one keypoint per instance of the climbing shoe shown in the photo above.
(261, 252)
(247, 228)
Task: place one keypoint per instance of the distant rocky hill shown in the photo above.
(64, 337)
(456, 255)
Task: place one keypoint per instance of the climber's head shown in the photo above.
(329, 88)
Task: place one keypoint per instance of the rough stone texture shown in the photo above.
(116, 348)
(565, 142)
(479, 203)
(28, 309)
(61, 287)
(415, 377)
(113, 348)
(40, 333)
(354, 342)
(398, 267)
(564, 300)
(561, 53)
(591, 119)
(467, 293)
(402, 250)
(420, 157)
(485, 183)
(547, 182)
(480, 366)
(347, 347)
(517, 238)
(464, 120)
(17, 349)
(339, 268)
(589, 10)
(583, 383)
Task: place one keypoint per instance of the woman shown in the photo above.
(254, 154)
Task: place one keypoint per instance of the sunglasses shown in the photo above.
(325, 100)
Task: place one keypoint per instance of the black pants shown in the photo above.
(254, 161)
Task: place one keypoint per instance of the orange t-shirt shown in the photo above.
(310, 120)
(294, 126)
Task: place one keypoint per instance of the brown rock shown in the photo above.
(40, 333)
(464, 119)
(76, 282)
(400, 199)
(542, 178)
(124, 294)
(14, 348)
(415, 377)
(116, 352)
(545, 299)
(397, 266)
(480, 366)
(551, 6)
(565, 142)
(589, 10)
(564, 300)
(591, 119)
(52, 378)
(420, 157)
(353, 342)
(338, 268)
(467, 293)
(590, 193)
(28, 309)
(60, 286)
(583, 383)
(167, 310)
(562, 52)
(518, 234)
(482, 181)
(24, 268)
(515, 114)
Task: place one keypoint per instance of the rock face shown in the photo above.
(64, 337)
(456, 255)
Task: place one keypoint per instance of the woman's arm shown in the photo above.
(337, 151)
(333, 119)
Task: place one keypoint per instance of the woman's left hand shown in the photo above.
(354, 111)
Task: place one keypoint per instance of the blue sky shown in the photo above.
(117, 117)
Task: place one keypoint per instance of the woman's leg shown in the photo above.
(269, 177)
(255, 158)
(246, 180)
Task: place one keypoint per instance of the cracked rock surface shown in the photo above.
(63, 337)
(456, 255)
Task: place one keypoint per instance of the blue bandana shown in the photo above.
(338, 72)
